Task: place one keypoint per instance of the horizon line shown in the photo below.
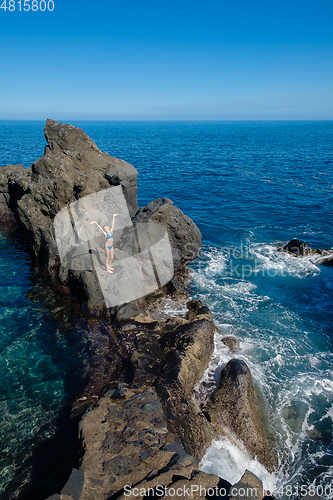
(171, 120)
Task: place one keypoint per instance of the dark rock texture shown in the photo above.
(127, 444)
(14, 182)
(234, 407)
(327, 262)
(249, 487)
(299, 248)
(176, 365)
(184, 235)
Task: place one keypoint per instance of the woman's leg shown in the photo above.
(111, 257)
(107, 258)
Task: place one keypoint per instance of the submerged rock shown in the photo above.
(328, 262)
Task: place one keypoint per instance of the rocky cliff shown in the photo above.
(147, 431)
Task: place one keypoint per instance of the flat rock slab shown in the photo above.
(127, 445)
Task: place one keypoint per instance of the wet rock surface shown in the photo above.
(299, 248)
(234, 409)
(249, 487)
(231, 342)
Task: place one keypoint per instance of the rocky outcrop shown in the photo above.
(184, 235)
(14, 182)
(231, 342)
(130, 453)
(171, 355)
(234, 409)
(72, 168)
(299, 248)
(187, 351)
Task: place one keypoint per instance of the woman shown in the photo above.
(109, 251)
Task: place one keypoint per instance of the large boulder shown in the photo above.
(187, 351)
(234, 407)
(184, 235)
(233, 410)
(299, 248)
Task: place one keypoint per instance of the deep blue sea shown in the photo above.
(250, 187)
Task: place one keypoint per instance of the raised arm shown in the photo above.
(112, 225)
(99, 227)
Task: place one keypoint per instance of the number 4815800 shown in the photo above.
(27, 5)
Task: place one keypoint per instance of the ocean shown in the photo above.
(250, 187)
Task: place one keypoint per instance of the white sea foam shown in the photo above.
(269, 259)
(287, 358)
(170, 308)
(229, 459)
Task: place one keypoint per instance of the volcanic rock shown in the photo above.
(231, 342)
(72, 168)
(184, 235)
(234, 407)
(249, 487)
(299, 248)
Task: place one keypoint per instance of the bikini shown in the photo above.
(108, 237)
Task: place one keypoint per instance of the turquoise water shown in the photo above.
(40, 363)
(249, 186)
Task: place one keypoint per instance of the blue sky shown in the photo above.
(173, 60)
